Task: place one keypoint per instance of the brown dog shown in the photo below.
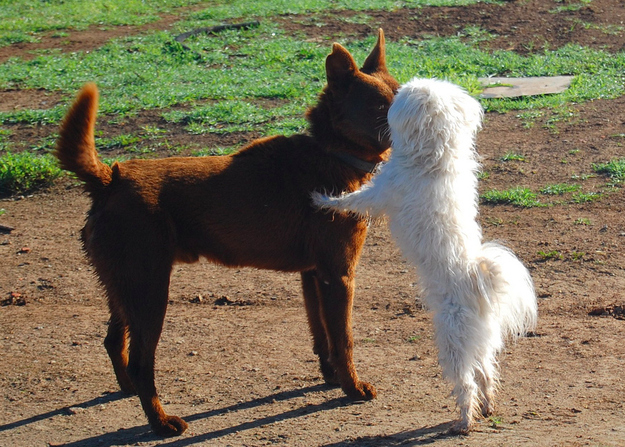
(252, 208)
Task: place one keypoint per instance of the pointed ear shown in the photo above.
(376, 61)
(340, 66)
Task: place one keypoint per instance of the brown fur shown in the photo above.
(252, 208)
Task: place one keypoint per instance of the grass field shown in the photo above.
(260, 79)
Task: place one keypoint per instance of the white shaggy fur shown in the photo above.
(479, 293)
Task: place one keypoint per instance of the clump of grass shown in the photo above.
(511, 156)
(214, 151)
(120, 141)
(495, 421)
(495, 221)
(582, 176)
(24, 172)
(570, 7)
(560, 189)
(582, 221)
(413, 339)
(586, 197)
(483, 175)
(553, 254)
(518, 196)
(615, 169)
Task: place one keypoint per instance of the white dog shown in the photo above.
(479, 293)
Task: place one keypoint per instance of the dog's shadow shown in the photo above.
(139, 434)
(64, 411)
(143, 433)
(419, 436)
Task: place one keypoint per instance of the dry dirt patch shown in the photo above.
(246, 374)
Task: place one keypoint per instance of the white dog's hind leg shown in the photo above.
(487, 375)
(455, 329)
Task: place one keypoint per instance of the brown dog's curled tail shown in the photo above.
(76, 145)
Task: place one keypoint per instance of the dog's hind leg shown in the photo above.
(317, 329)
(116, 344)
(489, 343)
(455, 330)
(135, 271)
(146, 302)
(487, 381)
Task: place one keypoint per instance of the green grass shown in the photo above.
(214, 151)
(560, 189)
(234, 116)
(152, 71)
(263, 79)
(24, 172)
(517, 196)
(495, 421)
(25, 20)
(570, 6)
(614, 169)
(553, 254)
(511, 156)
(586, 197)
(225, 10)
(526, 198)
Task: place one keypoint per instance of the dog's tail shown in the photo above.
(76, 144)
(509, 289)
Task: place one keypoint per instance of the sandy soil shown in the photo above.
(236, 360)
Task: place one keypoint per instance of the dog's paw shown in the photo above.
(170, 426)
(487, 408)
(362, 391)
(460, 428)
(330, 376)
(322, 201)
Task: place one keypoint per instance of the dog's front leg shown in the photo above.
(336, 296)
(368, 201)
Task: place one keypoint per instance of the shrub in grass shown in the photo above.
(24, 171)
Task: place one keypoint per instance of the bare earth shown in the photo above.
(236, 359)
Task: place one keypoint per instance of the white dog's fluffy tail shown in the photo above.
(507, 286)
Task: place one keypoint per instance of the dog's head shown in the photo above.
(430, 118)
(355, 102)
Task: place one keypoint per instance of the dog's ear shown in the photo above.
(376, 61)
(340, 67)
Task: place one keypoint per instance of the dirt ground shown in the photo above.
(236, 360)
